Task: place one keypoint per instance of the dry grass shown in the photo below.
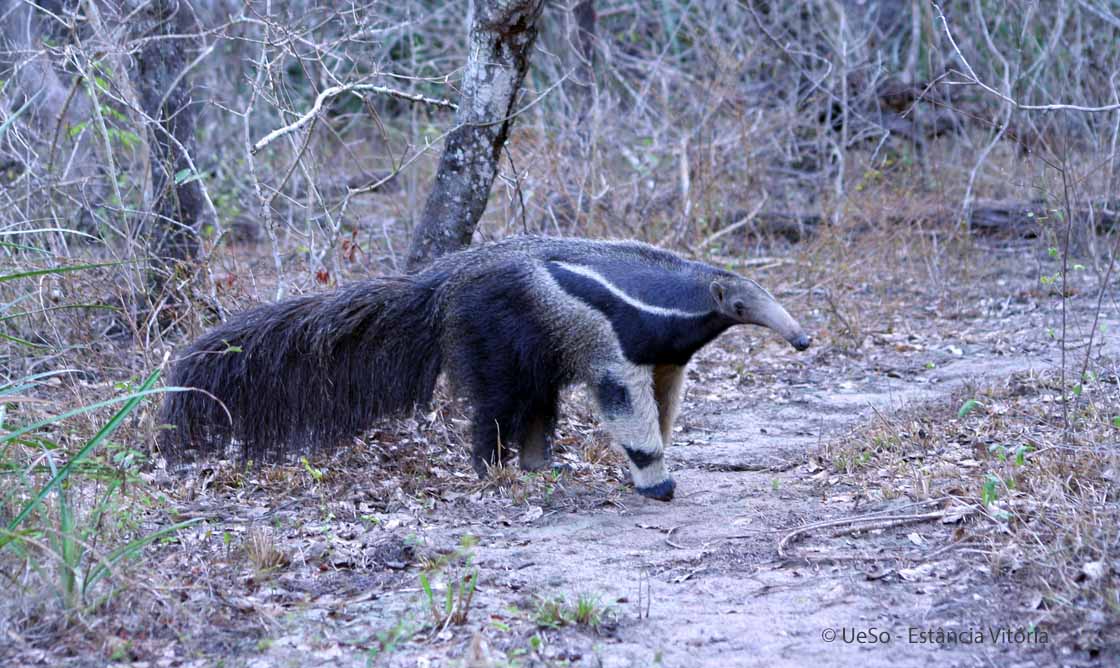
(914, 286)
(910, 289)
(263, 551)
(693, 127)
(1049, 506)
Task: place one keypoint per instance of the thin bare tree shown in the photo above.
(501, 42)
(164, 90)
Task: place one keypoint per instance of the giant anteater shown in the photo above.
(511, 323)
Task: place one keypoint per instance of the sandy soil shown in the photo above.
(770, 555)
(698, 581)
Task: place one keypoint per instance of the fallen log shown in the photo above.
(1027, 218)
(792, 226)
(1020, 218)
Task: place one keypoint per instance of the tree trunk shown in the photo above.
(586, 18)
(165, 96)
(501, 41)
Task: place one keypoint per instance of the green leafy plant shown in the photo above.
(967, 407)
(453, 606)
(316, 474)
(386, 641)
(70, 538)
(555, 612)
(989, 491)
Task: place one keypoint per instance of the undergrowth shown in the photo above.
(1047, 493)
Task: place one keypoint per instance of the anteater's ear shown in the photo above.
(718, 292)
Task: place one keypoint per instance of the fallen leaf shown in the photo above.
(917, 573)
(1095, 570)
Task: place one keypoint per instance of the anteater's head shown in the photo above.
(743, 300)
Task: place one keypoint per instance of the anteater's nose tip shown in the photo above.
(801, 341)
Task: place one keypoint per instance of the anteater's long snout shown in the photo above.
(771, 314)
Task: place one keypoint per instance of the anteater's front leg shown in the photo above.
(668, 379)
(626, 400)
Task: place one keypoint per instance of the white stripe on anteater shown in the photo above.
(588, 272)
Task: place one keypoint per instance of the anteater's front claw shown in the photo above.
(662, 491)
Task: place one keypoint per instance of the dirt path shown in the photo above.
(699, 581)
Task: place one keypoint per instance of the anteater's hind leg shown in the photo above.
(629, 408)
(536, 446)
(668, 379)
(490, 432)
(505, 360)
(520, 414)
(490, 385)
(483, 370)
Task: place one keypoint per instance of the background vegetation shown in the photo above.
(878, 144)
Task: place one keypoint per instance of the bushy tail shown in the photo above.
(306, 373)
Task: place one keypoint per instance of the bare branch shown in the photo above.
(334, 91)
(971, 73)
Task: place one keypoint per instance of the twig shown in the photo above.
(1007, 98)
(872, 519)
(532, 103)
(339, 90)
(886, 523)
(736, 225)
(517, 190)
(966, 203)
(179, 77)
(361, 190)
(254, 179)
(59, 122)
(836, 311)
(815, 84)
(103, 134)
(1065, 293)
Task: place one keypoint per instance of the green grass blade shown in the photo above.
(86, 409)
(60, 307)
(8, 244)
(57, 270)
(25, 107)
(132, 402)
(22, 342)
(102, 568)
